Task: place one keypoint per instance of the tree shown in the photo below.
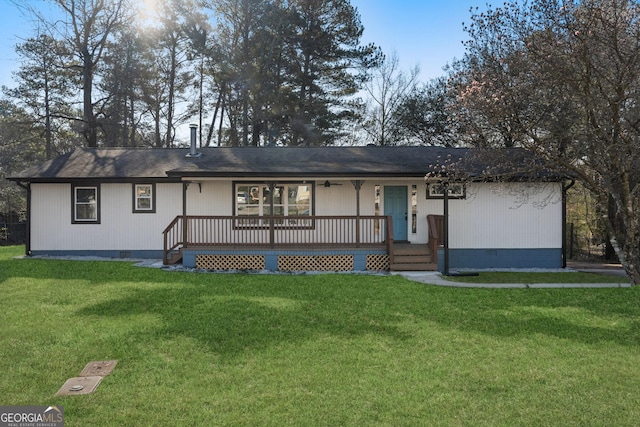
(20, 139)
(123, 75)
(283, 70)
(173, 54)
(237, 53)
(274, 71)
(388, 91)
(562, 78)
(424, 116)
(20, 147)
(44, 86)
(89, 25)
(330, 65)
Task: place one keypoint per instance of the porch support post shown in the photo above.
(272, 229)
(445, 187)
(185, 186)
(357, 184)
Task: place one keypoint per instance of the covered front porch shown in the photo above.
(296, 243)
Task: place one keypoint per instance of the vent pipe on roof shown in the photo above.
(193, 149)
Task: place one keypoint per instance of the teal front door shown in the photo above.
(395, 205)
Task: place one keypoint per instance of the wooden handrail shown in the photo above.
(172, 224)
(172, 237)
(276, 231)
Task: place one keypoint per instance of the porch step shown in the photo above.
(414, 267)
(174, 257)
(411, 249)
(412, 257)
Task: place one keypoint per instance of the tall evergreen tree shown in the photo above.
(286, 68)
(44, 87)
(123, 76)
(330, 65)
(169, 66)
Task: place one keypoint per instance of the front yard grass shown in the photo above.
(538, 277)
(199, 349)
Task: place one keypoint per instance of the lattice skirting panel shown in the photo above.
(230, 262)
(315, 262)
(378, 262)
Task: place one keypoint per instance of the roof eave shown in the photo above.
(293, 174)
(117, 179)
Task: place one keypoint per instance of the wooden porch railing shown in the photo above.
(436, 234)
(278, 231)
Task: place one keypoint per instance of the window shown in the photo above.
(456, 191)
(291, 199)
(86, 204)
(144, 198)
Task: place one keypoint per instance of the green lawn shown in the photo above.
(538, 277)
(199, 349)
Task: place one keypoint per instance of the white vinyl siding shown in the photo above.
(208, 198)
(119, 228)
(508, 216)
(492, 215)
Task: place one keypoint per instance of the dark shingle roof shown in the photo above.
(119, 164)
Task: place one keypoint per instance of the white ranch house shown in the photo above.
(288, 209)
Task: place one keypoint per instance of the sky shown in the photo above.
(426, 33)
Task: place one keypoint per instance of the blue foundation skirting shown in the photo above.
(480, 259)
(271, 256)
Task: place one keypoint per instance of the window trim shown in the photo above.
(457, 190)
(134, 207)
(74, 203)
